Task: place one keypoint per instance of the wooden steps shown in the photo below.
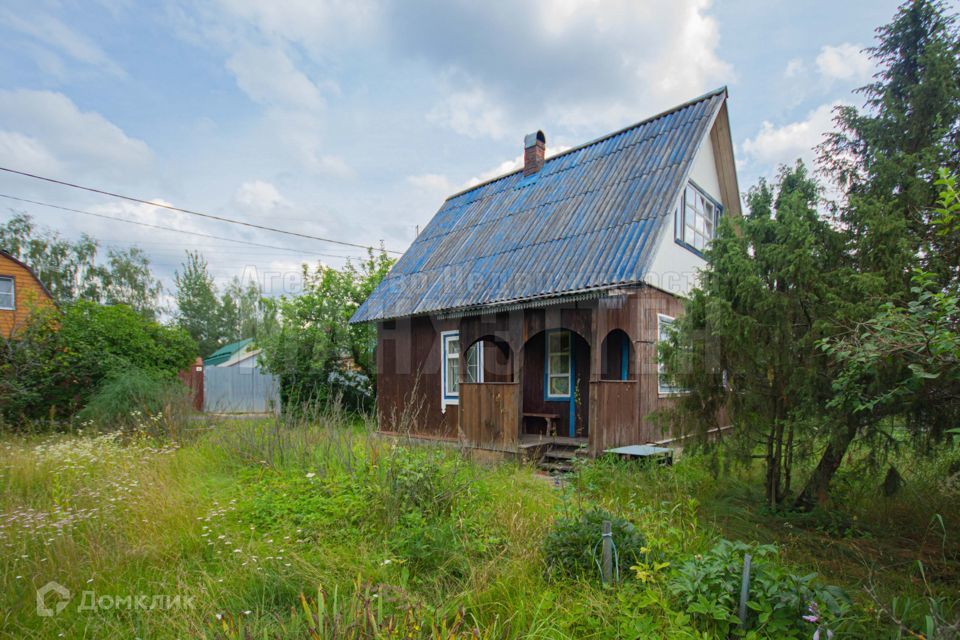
(556, 454)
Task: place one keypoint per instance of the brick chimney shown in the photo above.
(534, 150)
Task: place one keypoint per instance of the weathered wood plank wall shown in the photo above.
(489, 414)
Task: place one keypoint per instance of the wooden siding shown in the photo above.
(617, 412)
(28, 292)
(409, 378)
(636, 313)
(489, 414)
(611, 413)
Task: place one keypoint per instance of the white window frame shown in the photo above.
(13, 294)
(548, 372)
(448, 358)
(475, 371)
(705, 212)
(664, 389)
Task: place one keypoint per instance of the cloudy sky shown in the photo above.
(353, 119)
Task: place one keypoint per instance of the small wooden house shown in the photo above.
(21, 293)
(530, 307)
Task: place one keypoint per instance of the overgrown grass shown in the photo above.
(321, 529)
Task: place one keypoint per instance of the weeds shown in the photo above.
(246, 518)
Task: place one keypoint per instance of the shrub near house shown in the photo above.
(58, 360)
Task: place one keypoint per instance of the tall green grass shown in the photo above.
(317, 527)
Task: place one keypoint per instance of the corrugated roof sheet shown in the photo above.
(225, 352)
(589, 219)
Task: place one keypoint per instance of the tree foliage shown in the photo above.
(315, 349)
(72, 271)
(905, 360)
(885, 156)
(814, 332)
(213, 319)
(747, 343)
(53, 365)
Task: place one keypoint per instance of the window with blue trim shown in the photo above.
(450, 364)
(559, 365)
(696, 218)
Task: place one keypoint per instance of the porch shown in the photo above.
(582, 377)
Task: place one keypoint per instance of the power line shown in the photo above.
(155, 226)
(193, 213)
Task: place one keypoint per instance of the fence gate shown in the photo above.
(240, 390)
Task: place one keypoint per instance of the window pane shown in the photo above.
(473, 363)
(6, 293)
(559, 364)
(451, 359)
(559, 386)
(665, 328)
(453, 386)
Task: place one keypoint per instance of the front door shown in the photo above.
(560, 376)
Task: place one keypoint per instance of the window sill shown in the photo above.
(689, 247)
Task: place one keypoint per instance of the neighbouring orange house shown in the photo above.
(21, 292)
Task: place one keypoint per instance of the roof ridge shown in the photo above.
(606, 136)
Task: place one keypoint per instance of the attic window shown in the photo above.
(696, 218)
(7, 294)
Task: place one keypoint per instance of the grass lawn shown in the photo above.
(251, 530)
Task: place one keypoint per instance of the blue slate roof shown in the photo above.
(589, 219)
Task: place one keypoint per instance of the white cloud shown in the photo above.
(471, 113)
(509, 166)
(433, 182)
(269, 77)
(45, 126)
(331, 165)
(592, 64)
(28, 153)
(774, 145)
(55, 35)
(844, 62)
(258, 196)
(315, 24)
(795, 67)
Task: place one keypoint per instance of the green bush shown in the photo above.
(572, 547)
(428, 505)
(135, 398)
(780, 604)
(51, 368)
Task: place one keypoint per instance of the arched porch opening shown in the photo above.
(617, 361)
(488, 359)
(556, 384)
